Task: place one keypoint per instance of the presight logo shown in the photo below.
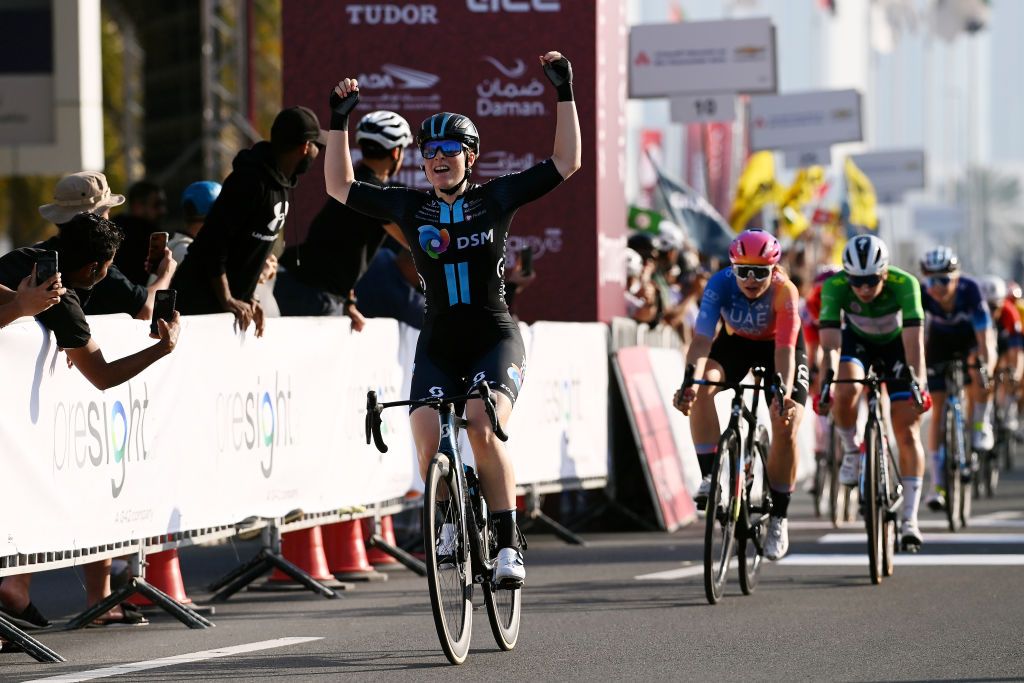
(258, 421)
(433, 241)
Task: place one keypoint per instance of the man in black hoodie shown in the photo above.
(223, 264)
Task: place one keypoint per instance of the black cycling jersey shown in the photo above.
(459, 248)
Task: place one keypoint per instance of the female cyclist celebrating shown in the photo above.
(458, 231)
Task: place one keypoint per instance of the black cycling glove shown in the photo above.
(341, 107)
(559, 72)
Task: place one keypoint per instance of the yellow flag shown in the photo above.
(755, 187)
(792, 221)
(861, 195)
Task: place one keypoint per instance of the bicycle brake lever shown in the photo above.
(488, 398)
(915, 388)
(780, 393)
(373, 420)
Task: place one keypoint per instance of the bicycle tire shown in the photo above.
(839, 495)
(890, 535)
(873, 514)
(822, 487)
(719, 523)
(754, 515)
(504, 606)
(966, 498)
(449, 576)
(954, 487)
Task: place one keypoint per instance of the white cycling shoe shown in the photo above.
(910, 537)
(776, 545)
(509, 571)
(984, 438)
(849, 471)
(703, 491)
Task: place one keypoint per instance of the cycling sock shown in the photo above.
(780, 503)
(848, 437)
(504, 524)
(938, 469)
(911, 498)
(982, 413)
(706, 457)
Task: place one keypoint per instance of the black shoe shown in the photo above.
(29, 619)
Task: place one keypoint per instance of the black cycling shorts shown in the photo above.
(739, 355)
(888, 359)
(943, 347)
(454, 354)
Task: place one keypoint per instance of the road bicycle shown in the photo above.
(879, 487)
(739, 502)
(828, 492)
(959, 460)
(458, 539)
(1004, 415)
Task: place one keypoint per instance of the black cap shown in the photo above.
(296, 125)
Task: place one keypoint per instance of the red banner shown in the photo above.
(480, 58)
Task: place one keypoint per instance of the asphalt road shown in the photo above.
(954, 612)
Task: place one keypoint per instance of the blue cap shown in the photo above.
(200, 196)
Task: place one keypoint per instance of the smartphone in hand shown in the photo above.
(163, 308)
(46, 266)
(157, 244)
(526, 260)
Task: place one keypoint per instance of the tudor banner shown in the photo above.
(481, 58)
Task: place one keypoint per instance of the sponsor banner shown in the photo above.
(700, 57)
(893, 172)
(500, 85)
(939, 220)
(223, 428)
(703, 108)
(806, 120)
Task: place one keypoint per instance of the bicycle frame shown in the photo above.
(876, 416)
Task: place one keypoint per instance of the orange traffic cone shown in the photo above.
(164, 572)
(375, 555)
(305, 549)
(346, 553)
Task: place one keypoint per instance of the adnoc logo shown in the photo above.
(433, 241)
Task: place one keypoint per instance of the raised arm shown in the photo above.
(338, 172)
(567, 154)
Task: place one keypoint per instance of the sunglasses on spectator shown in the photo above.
(449, 148)
(857, 281)
(758, 273)
(939, 280)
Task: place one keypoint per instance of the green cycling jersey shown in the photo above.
(880, 320)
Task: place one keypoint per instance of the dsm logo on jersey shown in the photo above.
(433, 241)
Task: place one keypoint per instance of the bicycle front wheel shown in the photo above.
(720, 522)
(754, 517)
(873, 512)
(447, 559)
(954, 447)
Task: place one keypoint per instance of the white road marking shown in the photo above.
(951, 539)
(187, 658)
(690, 569)
(904, 560)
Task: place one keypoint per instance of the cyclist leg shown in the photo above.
(725, 362)
(937, 354)
(980, 400)
(906, 427)
(853, 356)
(429, 380)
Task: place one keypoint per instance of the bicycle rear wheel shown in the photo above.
(890, 533)
(720, 523)
(990, 466)
(449, 576)
(838, 495)
(954, 487)
(873, 514)
(751, 533)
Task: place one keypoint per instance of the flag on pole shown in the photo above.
(755, 187)
(704, 226)
(644, 220)
(805, 187)
(860, 194)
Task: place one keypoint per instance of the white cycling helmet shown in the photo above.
(993, 288)
(940, 260)
(865, 255)
(385, 128)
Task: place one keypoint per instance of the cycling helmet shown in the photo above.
(199, 197)
(385, 128)
(755, 247)
(865, 255)
(670, 236)
(448, 126)
(940, 260)
(826, 271)
(993, 288)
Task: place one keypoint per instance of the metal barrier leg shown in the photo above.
(535, 515)
(299, 575)
(155, 595)
(32, 647)
(264, 561)
(237, 573)
(405, 558)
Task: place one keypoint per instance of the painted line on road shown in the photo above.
(903, 560)
(175, 660)
(691, 569)
(951, 539)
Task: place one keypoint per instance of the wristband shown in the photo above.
(341, 107)
(559, 72)
(565, 92)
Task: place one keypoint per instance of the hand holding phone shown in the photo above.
(163, 309)
(157, 244)
(46, 266)
(526, 261)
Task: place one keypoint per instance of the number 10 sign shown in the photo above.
(703, 108)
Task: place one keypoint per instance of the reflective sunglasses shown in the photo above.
(450, 148)
(857, 281)
(939, 280)
(758, 273)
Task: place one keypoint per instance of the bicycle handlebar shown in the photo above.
(375, 408)
(826, 385)
(778, 390)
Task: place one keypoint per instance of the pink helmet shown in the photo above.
(755, 247)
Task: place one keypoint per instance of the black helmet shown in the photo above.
(448, 126)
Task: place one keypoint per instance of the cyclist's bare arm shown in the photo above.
(697, 354)
(785, 364)
(913, 347)
(831, 342)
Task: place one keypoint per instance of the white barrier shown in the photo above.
(230, 426)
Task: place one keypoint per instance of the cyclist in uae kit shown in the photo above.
(458, 233)
(881, 307)
(1007, 321)
(959, 325)
(758, 308)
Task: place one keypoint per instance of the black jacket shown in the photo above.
(239, 232)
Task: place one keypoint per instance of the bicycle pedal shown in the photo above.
(508, 584)
(908, 546)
